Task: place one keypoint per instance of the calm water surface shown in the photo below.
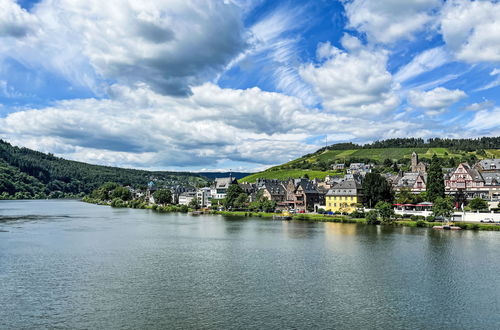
(67, 264)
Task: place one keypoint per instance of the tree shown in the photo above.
(435, 180)
(121, 193)
(162, 196)
(478, 204)
(372, 217)
(194, 203)
(443, 207)
(375, 189)
(232, 194)
(405, 196)
(241, 201)
(385, 211)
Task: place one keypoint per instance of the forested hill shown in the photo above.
(390, 153)
(25, 173)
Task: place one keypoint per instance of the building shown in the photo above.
(220, 186)
(177, 190)
(416, 166)
(488, 165)
(186, 197)
(416, 182)
(274, 190)
(204, 196)
(481, 180)
(301, 195)
(338, 167)
(359, 168)
(345, 197)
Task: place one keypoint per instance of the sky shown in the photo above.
(242, 85)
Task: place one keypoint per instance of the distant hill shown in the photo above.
(318, 164)
(213, 175)
(25, 173)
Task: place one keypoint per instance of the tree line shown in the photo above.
(25, 173)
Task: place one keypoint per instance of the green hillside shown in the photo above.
(318, 164)
(25, 173)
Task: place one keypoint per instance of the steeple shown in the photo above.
(414, 162)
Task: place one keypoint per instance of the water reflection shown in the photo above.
(107, 268)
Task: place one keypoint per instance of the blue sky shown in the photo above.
(190, 85)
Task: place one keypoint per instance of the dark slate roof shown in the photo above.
(490, 164)
(346, 187)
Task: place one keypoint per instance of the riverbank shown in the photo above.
(347, 219)
(298, 217)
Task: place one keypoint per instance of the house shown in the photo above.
(338, 167)
(204, 196)
(345, 197)
(415, 181)
(481, 180)
(488, 165)
(274, 190)
(359, 168)
(177, 190)
(220, 186)
(302, 195)
(186, 197)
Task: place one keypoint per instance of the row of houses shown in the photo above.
(345, 193)
(468, 181)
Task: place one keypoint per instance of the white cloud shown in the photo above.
(494, 83)
(14, 21)
(387, 21)
(140, 128)
(355, 82)
(479, 106)
(471, 29)
(168, 44)
(486, 121)
(426, 61)
(435, 101)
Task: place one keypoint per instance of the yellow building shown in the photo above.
(345, 197)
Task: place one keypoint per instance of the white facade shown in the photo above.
(204, 196)
(186, 198)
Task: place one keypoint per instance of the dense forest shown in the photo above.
(25, 173)
(453, 144)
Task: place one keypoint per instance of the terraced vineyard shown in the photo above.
(295, 168)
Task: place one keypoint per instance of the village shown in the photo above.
(343, 194)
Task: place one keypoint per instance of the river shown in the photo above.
(68, 264)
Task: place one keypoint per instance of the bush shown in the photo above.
(117, 202)
(431, 218)
(372, 218)
(358, 214)
(420, 223)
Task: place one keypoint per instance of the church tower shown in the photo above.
(414, 162)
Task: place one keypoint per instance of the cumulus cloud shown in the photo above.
(387, 21)
(354, 81)
(138, 127)
(471, 29)
(435, 101)
(14, 21)
(169, 44)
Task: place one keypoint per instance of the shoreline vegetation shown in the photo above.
(405, 222)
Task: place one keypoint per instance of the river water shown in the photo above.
(68, 264)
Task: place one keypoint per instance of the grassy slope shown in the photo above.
(291, 170)
(287, 173)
